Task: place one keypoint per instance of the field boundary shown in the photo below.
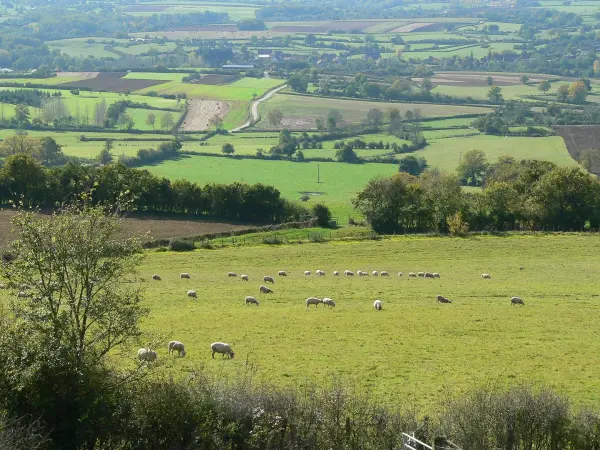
(254, 113)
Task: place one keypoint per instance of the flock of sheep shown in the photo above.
(145, 354)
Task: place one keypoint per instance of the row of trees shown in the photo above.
(532, 195)
(25, 181)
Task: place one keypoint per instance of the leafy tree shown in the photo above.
(375, 116)
(544, 86)
(228, 149)
(346, 154)
(310, 40)
(563, 93)
(524, 79)
(442, 197)
(151, 120)
(412, 165)
(24, 179)
(578, 92)
(105, 156)
(495, 94)
(394, 114)
(298, 83)
(275, 117)
(20, 144)
(50, 151)
(322, 215)
(490, 81)
(319, 124)
(472, 167)
(126, 121)
(334, 117)
(22, 113)
(216, 121)
(166, 121)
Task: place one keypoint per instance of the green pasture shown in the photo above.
(139, 116)
(513, 92)
(139, 49)
(415, 349)
(478, 51)
(236, 12)
(80, 48)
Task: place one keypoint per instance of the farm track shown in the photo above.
(254, 115)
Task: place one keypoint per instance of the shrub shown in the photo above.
(305, 198)
(322, 215)
(457, 226)
(179, 245)
(206, 245)
(272, 240)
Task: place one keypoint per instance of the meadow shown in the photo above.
(415, 350)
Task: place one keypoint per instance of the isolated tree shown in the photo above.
(151, 120)
(544, 86)
(105, 156)
(275, 117)
(310, 40)
(346, 154)
(393, 114)
(412, 165)
(22, 113)
(50, 151)
(524, 79)
(126, 121)
(375, 116)
(20, 144)
(166, 121)
(334, 117)
(495, 94)
(319, 124)
(472, 167)
(563, 93)
(228, 149)
(578, 92)
(489, 81)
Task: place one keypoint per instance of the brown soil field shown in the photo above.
(147, 227)
(324, 27)
(114, 82)
(200, 112)
(413, 27)
(579, 138)
(216, 79)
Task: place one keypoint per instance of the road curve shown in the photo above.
(254, 108)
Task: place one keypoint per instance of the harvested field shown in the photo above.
(323, 27)
(480, 79)
(145, 8)
(224, 28)
(82, 75)
(155, 227)
(114, 82)
(207, 33)
(419, 26)
(200, 113)
(579, 138)
(216, 79)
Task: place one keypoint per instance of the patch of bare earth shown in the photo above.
(579, 138)
(200, 113)
(114, 82)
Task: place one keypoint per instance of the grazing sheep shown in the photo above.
(362, 274)
(400, 274)
(265, 290)
(412, 275)
(307, 272)
(268, 279)
(177, 346)
(282, 273)
(244, 277)
(521, 268)
(436, 275)
(156, 277)
(222, 348)
(232, 274)
(336, 273)
(375, 273)
(517, 301)
(251, 301)
(185, 275)
(145, 354)
(384, 274)
(313, 301)
(328, 302)
(22, 295)
(429, 275)
(2, 286)
(421, 274)
(442, 299)
(320, 273)
(486, 276)
(192, 294)
(348, 273)
(378, 305)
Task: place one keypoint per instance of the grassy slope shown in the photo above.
(414, 347)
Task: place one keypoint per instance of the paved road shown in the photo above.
(255, 116)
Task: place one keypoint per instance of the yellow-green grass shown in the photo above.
(514, 92)
(413, 350)
(237, 115)
(354, 111)
(140, 115)
(477, 51)
(448, 133)
(138, 49)
(154, 76)
(339, 181)
(446, 153)
(51, 81)
(76, 48)
(240, 90)
(445, 123)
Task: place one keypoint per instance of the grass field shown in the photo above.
(462, 51)
(414, 349)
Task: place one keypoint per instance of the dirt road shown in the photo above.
(254, 115)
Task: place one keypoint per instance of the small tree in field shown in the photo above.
(151, 120)
(228, 149)
(275, 117)
(166, 121)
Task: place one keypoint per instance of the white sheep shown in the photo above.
(378, 305)
(145, 354)
(313, 301)
(251, 301)
(185, 275)
(384, 274)
(192, 294)
(375, 273)
(421, 274)
(244, 277)
(329, 302)
(282, 273)
(307, 272)
(362, 274)
(156, 277)
(348, 273)
(429, 275)
(2, 286)
(222, 348)
(232, 274)
(517, 301)
(265, 290)
(22, 295)
(336, 273)
(268, 279)
(319, 273)
(177, 346)
(400, 274)
(436, 275)
(412, 275)
(486, 276)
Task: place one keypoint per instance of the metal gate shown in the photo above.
(410, 442)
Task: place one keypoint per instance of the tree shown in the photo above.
(577, 92)
(166, 121)
(322, 215)
(20, 144)
(393, 114)
(472, 167)
(105, 157)
(151, 120)
(24, 178)
(524, 79)
(563, 93)
(310, 40)
(50, 151)
(319, 124)
(216, 121)
(490, 81)
(544, 86)
(375, 116)
(275, 117)
(412, 165)
(298, 83)
(596, 67)
(495, 94)
(126, 122)
(228, 149)
(333, 120)
(346, 154)
(442, 197)
(22, 113)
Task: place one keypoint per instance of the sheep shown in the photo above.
(375, 273)
(145, 354)
(177, 346)
(486, 276)
(156, 277)
(384, 274)
(421, 274)
(251, 301)
(307, 272)
(232, 274)
(412, 275)
(429, 275)
(192, 294)
(22, 295)
(348, 273)
(268, 279)
(436, 275)
(400, 274)
(442, 299)
(517, 301)
(319, 273)
(329, 302)
(2, 286)
(313, 301)
(244, 277)
(282, 273)
(185, 275)
(265, 290)
(378, 305)
(362, 274)
(336, 273)
(222, 348)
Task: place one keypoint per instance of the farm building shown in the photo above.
(238, 66)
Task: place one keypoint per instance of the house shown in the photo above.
(265, 54)
(238, 66)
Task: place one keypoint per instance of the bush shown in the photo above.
(272, 240)
(206, 245)
(305, 198)
(179, 245)
(457, 226)
(322, 215)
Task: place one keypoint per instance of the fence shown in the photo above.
(410, 442)
(295, 238)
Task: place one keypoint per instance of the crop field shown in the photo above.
(413, 350)
(79, 47)
(300, 112)
(478, 51)
(579, 138)
(236, 12)
(116, 82)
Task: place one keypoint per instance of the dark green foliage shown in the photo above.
(179, 245)
(411, 165)
(346, 154)
(322, 215)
